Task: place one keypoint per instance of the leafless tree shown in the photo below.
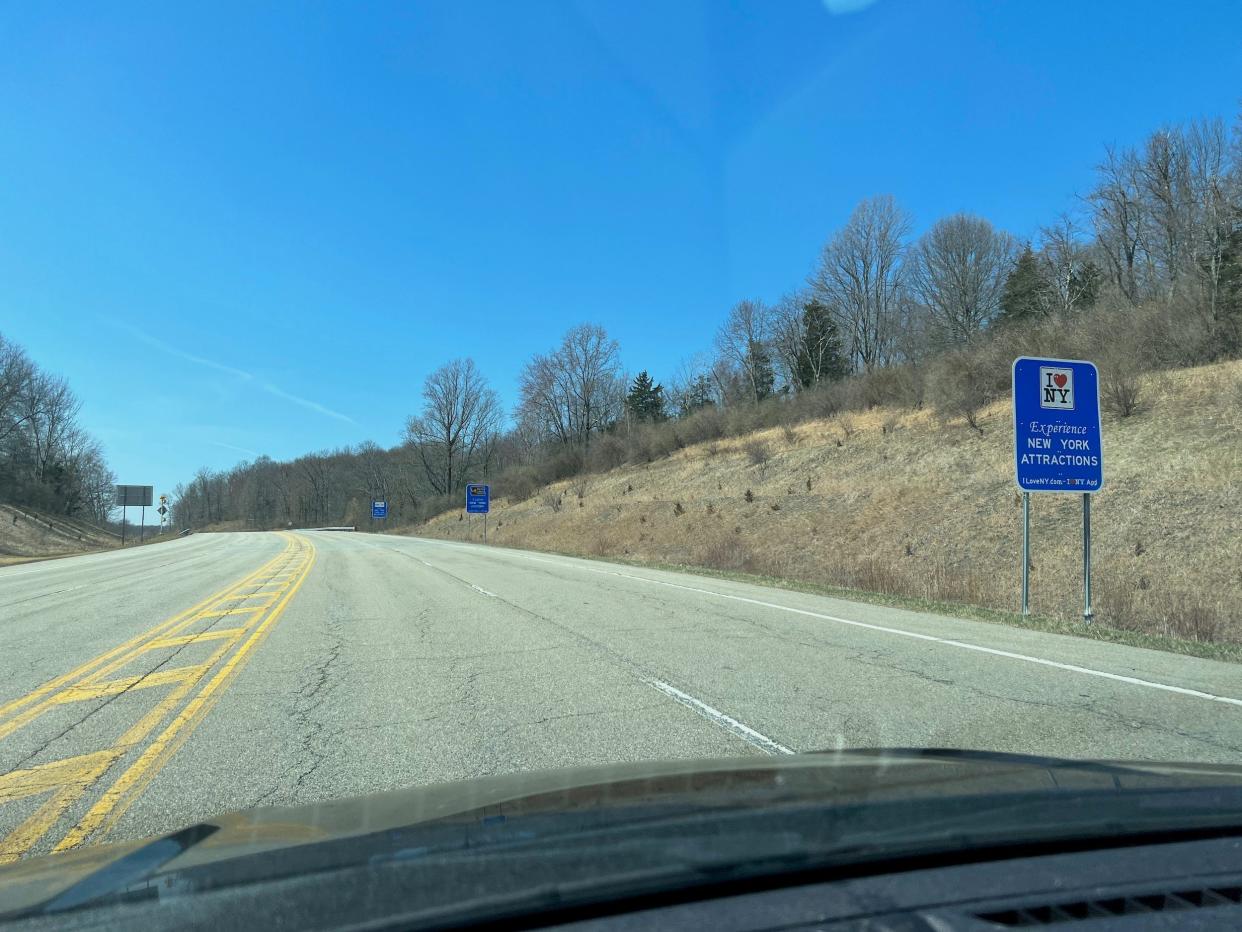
(958, 272)
(48, 410)
(691, 386)
(743, 344)
(1164, 178)
(860, 278)
(457, 429)
(1216, 189)
(1066, 265)
(16, 374)
(576, 390)
(1120, 221)
(788, 337)
(374, 468)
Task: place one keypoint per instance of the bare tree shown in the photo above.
(860, 277)
(457, 429)
(48, 409)
(374, 468)
(1164, 178)
(1066, 265)
(1120, 221)
(958, 271)
(576, 390)
(788, 337)
(691, 386)
(16, 374)
(807, 341)
(1216, 188)
(743, 343)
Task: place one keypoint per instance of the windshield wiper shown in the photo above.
(116, 879)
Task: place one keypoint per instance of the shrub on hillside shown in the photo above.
(757, 452)
(1120, 392)
(608, 452)
(562, 462)
(705, 424)
(961, 386)
(896, 386)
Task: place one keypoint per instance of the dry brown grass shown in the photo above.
(31, 535)
(907, 504)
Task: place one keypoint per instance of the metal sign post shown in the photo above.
(1026, 553)
(127, 495)
(1086, 558)
(478, 502)
(1058, 446)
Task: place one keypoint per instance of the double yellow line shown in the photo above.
(233, 621)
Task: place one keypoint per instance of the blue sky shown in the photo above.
(246, 228)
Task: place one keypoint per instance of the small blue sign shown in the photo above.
(1056, 425)
(478, 499)
(379, 508)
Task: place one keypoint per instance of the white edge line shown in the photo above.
(964, 645)
(490, 595)
(727, 722)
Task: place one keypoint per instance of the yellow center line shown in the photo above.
(67, 780)
(130, 785)
(76, 673)
(118, 657)
(84, 691)
(215, 634)
(231, 611)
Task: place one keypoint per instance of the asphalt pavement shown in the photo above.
(147, 689)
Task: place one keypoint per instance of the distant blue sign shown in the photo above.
(379, 508)
(478, 499)
(1056, 425)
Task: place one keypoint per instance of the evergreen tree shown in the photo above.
(821, 356)
(697, 394)
(645, 399)
(1026, 294)
(759, 366)
(1227, 322)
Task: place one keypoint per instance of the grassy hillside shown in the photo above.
(27, 534)
(903, 503)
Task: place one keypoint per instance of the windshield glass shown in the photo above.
(404, 394)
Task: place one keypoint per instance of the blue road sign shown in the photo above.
(1056, 425)
(379, 508)
(478, 499)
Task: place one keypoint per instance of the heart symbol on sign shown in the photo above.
(1060, 380)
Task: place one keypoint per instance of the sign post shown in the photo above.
(1057, 446)
(478, 502)
(163, 510)
(127, 495)
(1026, 553)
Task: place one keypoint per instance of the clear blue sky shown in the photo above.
(256, 227)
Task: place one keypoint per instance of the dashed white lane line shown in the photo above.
(727, 722)
(900, 632)
(715, 716)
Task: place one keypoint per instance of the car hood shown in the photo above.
(585, 799)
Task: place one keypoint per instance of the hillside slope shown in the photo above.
(900, 502)
(27, 534)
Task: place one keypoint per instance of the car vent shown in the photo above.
(1051, 913)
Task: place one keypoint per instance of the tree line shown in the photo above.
(47, 461)
(1146, 271)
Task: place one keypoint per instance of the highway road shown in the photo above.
(147, 689)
